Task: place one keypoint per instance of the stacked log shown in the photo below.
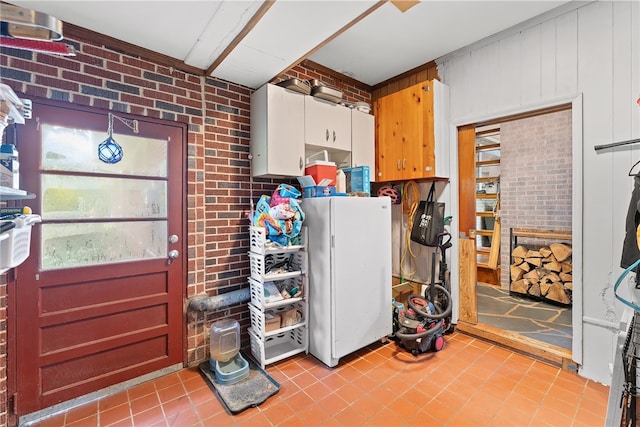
(544, 273)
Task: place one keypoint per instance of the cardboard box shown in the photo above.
(311, 189)
(271, 321)
(358, 180)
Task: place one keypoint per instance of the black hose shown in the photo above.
(431, 331)
(446, 311)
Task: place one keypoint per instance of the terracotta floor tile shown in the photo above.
(304, 380)
(312, 414)
(298, 401)
(350, 417)
(171, 392)
(144, 403)
(90, 421)
(142, 390)
(469, 383)
(278, 412)
(332, 403)
(113, 400)
(317, 391)
(112, 415)
(148, 417)
(84, 411)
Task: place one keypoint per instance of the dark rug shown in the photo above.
(246, 393)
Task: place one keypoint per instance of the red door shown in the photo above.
(99, 300)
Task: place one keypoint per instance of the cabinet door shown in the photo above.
(405, 134)
(417, 149)
(363, 141)
(277, 132)
(327, 125)
(388, 118)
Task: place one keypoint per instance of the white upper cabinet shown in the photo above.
(362, 140)
(327, 125)
(277, 132)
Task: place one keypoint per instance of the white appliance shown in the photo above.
(349, 244)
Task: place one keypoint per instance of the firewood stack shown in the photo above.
(543, 273)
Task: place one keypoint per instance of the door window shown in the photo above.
(96, 213)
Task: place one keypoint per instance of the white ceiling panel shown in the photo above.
(285, 34)
(383, 45)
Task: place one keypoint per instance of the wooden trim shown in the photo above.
(333, 36)
(307, 63)
(556, 355)
(75, 32)
(467, 178)
(468, 281)
(266, 5)
(426, 67)
(525, 115)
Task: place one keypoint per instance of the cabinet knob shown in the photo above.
(326, 137)
(334, 136)
(404, 164)
(301, 163)
(398, 164)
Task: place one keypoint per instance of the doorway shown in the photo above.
(99, 301)
(534, 191)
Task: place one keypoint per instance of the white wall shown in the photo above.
(587, 54)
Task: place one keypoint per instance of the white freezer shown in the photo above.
(349, 244)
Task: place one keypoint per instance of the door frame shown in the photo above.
(12, 373)
(467, 295)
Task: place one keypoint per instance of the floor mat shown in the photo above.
(246, 393)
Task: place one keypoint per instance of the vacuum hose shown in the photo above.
(423, 310)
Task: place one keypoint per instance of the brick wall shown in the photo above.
(219, 182)
(535, 178)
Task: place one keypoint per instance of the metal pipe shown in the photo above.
(207, 303)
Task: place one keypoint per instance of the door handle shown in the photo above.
(326, 137)
(334, 136)
(398, 164)
(173, 254)
(173, 238)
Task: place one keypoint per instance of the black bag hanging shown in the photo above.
(428, 220)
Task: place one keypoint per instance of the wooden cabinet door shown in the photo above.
(277, 132)
(405, 140)
(327, 125)
(388, 117)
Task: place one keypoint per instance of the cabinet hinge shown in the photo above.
(427, 88)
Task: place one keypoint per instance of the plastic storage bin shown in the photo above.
(277, 347)
(260, 244)
(15, 244)
(258, 320)
(259, 298)
(265, 267)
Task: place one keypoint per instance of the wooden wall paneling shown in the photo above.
(508, 92)
(566, 54)
(530, 67)
(468, 281)
(548, 59)
(466, 179)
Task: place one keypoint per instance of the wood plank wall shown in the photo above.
(428, 71)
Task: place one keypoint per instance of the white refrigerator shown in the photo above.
(349, 244)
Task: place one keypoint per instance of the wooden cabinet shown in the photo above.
(326, 125)
(277, 132)
(362, 140)
(412, 133)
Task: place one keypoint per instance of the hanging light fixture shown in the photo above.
(109, 151)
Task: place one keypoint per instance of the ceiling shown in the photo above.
(252, 42)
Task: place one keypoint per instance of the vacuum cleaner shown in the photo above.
(421, 326)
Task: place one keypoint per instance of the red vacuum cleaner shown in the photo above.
(421, 326)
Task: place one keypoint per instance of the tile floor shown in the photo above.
(469, 383)
(534, 319)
